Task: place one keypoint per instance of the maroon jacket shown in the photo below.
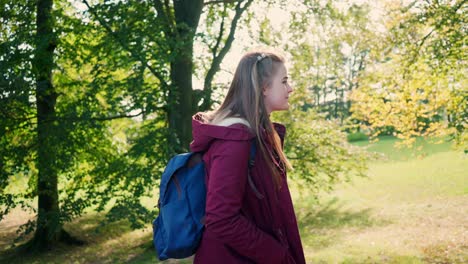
(240, 227)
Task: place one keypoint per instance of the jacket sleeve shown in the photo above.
(226, 187)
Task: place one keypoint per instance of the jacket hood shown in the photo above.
(204, 133)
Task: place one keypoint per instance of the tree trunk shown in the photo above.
(49, 226)
(181, 108)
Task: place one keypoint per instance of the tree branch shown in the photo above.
(23, 124)
(133, 53)
(421, 42)
(218, 58)
(459, 5)
(102, 118)
(221, 2)
(418, 48)
(221, 33)
(170, 16)
(163, 15)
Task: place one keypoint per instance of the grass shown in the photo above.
(420, 149)
(411, 209)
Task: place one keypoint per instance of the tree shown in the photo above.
(178, 21)
(87, 73)
(332, 46)
(416, 87)
(39, 140)
(16, 93)
(46, 98)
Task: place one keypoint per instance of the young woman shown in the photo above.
(249, 213)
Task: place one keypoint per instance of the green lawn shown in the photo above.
(411, 209)
(421, 148)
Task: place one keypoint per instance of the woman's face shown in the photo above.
(277, 94)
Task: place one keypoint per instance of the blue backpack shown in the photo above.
(178, 229)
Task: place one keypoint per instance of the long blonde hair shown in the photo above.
(245, 99)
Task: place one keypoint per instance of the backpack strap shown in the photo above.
(253, 151)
